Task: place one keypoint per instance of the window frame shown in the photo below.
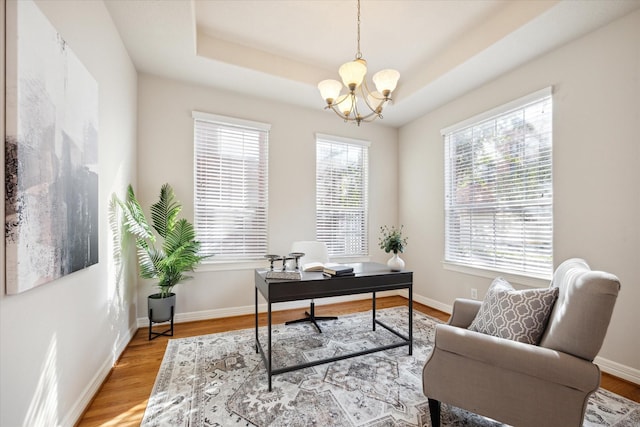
(522, 276)
(352, 143)
(248, 258)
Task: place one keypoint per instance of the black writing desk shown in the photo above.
(370, 277)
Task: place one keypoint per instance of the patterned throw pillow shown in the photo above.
(516, 315)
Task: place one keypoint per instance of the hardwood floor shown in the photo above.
(122, 399)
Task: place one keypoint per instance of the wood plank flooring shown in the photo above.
(122, 399)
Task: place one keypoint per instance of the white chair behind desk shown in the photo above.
(313, 252)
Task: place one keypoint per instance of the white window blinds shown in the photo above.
(342, 168)
(498, 189)
(231, 187)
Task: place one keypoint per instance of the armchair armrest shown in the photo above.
(464, 311)
(538, 362)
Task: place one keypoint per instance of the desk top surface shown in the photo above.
(360, 269)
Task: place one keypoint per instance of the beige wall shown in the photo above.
(165, 154)
(596, 81)
(59, 341)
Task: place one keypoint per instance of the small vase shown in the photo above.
(395, 263)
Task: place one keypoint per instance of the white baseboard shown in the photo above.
(433, 303)
(143, 322)
(83, 401)
(618, 370)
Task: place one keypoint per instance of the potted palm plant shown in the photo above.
(391, 240)
(168, 262)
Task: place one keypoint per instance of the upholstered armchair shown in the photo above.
(543, 383)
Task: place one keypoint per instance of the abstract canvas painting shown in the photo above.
(51, 153)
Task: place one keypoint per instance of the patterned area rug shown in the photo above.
(220, 380)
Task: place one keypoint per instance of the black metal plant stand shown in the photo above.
(167, 333)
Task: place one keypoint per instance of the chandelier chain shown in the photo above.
(358, 53)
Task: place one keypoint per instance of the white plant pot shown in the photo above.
(395, 263)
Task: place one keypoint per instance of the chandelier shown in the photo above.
(359, 104)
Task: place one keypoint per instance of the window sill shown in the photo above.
(232, 265)
(530, 281)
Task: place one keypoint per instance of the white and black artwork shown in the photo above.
(51, 154)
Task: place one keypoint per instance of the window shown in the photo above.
(498, 189)
(342, 169)
(230, 212)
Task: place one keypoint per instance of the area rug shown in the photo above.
(220, 380)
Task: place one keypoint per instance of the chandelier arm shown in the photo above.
(366, 95)
(342, 116)
(360, 118)
(367, 119)
(344, 98)
(371, 117)
(354, 108)
(384, 98)
(338, 113)
(371, 114)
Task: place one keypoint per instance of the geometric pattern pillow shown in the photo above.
(515, 315)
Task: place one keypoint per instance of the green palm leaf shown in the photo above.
(134, 220)
(180, 234)
(165, 211)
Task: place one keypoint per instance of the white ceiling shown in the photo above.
(280, 49)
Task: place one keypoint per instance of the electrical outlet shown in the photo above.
(474, 293)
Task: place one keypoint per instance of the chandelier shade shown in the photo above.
(352, 73)
(386, 81)
(345, 104)
(368, 105)
(330, 90)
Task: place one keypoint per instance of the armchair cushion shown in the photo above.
(579, 322)
(512, 314)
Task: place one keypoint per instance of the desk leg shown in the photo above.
(373, 309)
(410, 320)
(256, 304)
(269, 346)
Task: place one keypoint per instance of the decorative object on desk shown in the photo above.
(392, 241)
(339, 275)
(167, 264)
(284, 273)
(313, 266)
(221, 379)
(338, 270)
(318, 266)
(272, 259)
(395, 263)
(296, 256)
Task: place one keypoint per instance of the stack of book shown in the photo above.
(338, 271)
